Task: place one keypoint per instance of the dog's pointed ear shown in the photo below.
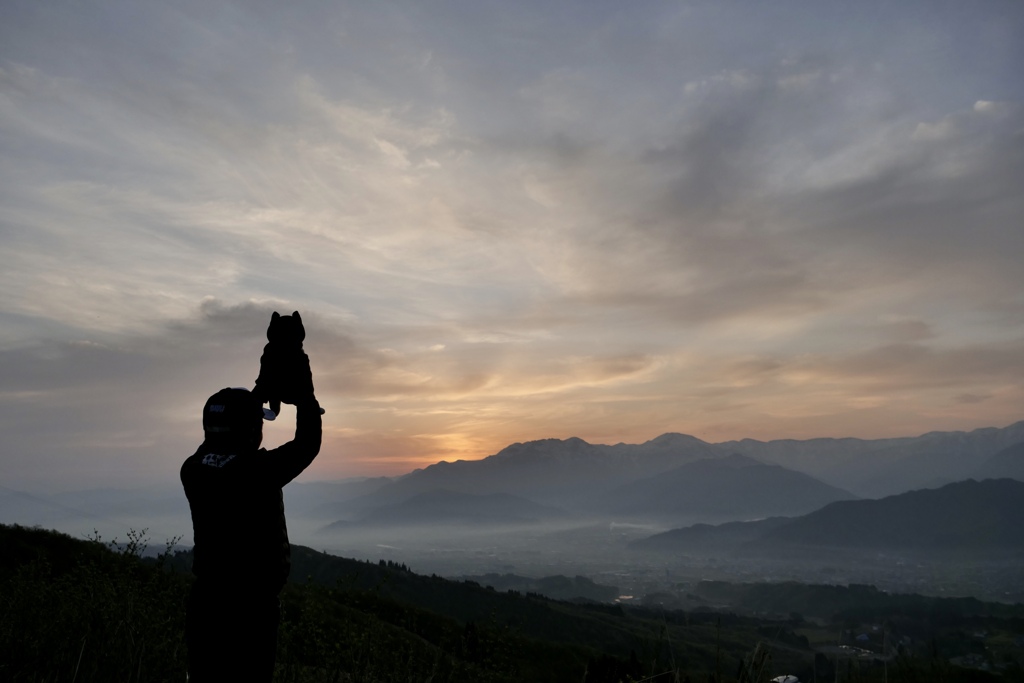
(275, 316)
(297, 316)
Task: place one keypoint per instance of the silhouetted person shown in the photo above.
(242, 555)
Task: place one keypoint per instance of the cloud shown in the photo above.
(504, 223)
(916, 366)
(669, 213)
(725, 241)
(125, 409)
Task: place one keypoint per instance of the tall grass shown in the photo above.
(91, 613)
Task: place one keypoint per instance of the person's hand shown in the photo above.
(297, 380)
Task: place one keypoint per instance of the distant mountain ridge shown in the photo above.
(965, 516)
(1006, 464)
(551, 471)
(613, 482)
(731, 486)
(968, 514)
(660, 478)
(880, 467)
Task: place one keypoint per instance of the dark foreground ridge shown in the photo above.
(86, 610)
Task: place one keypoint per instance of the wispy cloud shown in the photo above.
(506, 222)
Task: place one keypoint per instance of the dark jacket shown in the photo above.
(241, 540)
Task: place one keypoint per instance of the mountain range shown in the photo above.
(872, 468)
(1007, 463)
(676, 478)
(964, 517)
(670, 481)
(552, 471)
(732, 486)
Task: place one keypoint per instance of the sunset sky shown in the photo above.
(506, 221)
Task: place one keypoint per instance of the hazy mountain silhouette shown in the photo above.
(571, 473)
(328, 500)
(880, 467)
(552, 471)
(725, 487)
(662, 478)
(85, 510)
(1006, 464)
(968, 516)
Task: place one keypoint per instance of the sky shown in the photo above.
(504, 222)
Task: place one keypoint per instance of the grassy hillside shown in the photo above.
(75, 610)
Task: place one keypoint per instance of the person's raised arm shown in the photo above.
(289, 460)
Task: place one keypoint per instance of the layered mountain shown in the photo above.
(968, 516)
(729, 487)
(562, 473)
(675, 476)
(620, 479)
(571, 471)
(328, 500)
(881, 467)
(1006, 464)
